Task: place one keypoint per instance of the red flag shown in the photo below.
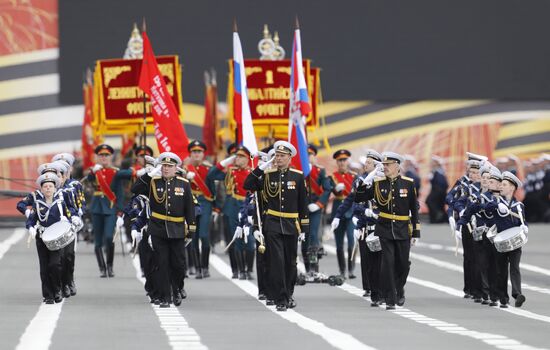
(209, 130)
(88, 139)
(169, 132)
(128, 141)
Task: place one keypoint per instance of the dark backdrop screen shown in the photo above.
(370, 49)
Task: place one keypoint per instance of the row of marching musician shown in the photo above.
(486, 217)
(54, 215)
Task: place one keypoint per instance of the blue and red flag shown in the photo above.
(299, 107)
(241, 108)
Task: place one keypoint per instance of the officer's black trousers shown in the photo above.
(68, 263)
(50, 269)
(261, 271)
(394, 268)
(148, 263)
(171, 264)
(364, 251)
(470, 286)
(370, 270)
(281, 252)
(505, 261)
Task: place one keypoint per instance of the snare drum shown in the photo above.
(373, 243)
(478, 232)
(58, 235)
(510, 239)
(491, 233)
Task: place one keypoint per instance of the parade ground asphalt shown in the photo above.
(221, 313)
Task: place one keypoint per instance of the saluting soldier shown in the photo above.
(342, 183)
(172, 222)
(398, 223)
(106, 202)
(284, 195)
(203, 189)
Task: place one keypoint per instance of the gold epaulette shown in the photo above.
(182, 178)
(296, 170)
(156, 177)
(407, 178)
(376, 179)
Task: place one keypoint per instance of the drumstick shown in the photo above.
(230, 243)
(29, 241)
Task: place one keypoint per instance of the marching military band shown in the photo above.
(268, 210)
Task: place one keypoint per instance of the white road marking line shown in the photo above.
(180, 334)
(15, 237)
(524, 266)
(455, 292)
(334, 337)
(38, 334)
(458, 268)
(496, 340)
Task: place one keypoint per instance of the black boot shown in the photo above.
(351, 264)
(341, 262)
(305, 257)
(239, 259)
(197, 259)
(249, 257)
(101, 262)
(110, 251)
(205, 259)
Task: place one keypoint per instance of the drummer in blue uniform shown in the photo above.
(47, 210)
(106, 201)
(509, 213)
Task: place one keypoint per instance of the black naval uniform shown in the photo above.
(285, 215)
(398, 221)
(172, 220)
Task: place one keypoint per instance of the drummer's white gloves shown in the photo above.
(370, 214)
(525, 229)
(27, 212)
(80, 212)
(355, 220)
(461, 212)
(137, 236)
(227, 161)
(258, 236)
(76, 221)
(503, 209)
(414, 240)
(339, 187)
(250, 219)
(358, 234)
(301, 237)
(141, 172)
(313, 207)
(238, 232)
(96, 168)
(458, 234)
(190, 175)
(246, 232)
(150, 241)
(119, 222)
(32, 232)
(452, 223)
(266, 165)
(334, 224)
(215, 215)
(155, 171)
(370, 177)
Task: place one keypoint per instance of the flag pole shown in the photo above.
(144, 132)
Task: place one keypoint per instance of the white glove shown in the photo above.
(301, 237)
(313, 207)
(32, 232)
(77, 222)
(27, 212)
(150, 241)
(358, 234)
(141, 172)
(119, 222)
(137, 236)
(355, 220)
(339, 187)
(334, 224)
(503, 209)
(250, 219)
(458, 235)
(370, 213)
(525, 229)
(227, 161)
(155, 171)
(414, 240)
(215, 215)
(452, 223)
(190, 175)
(370, 177)
(238, 232)
(266, 165)
(258, 236)
(96, 168)
(239, 216)
(461, 212)
(246, 232)
(80, 212)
